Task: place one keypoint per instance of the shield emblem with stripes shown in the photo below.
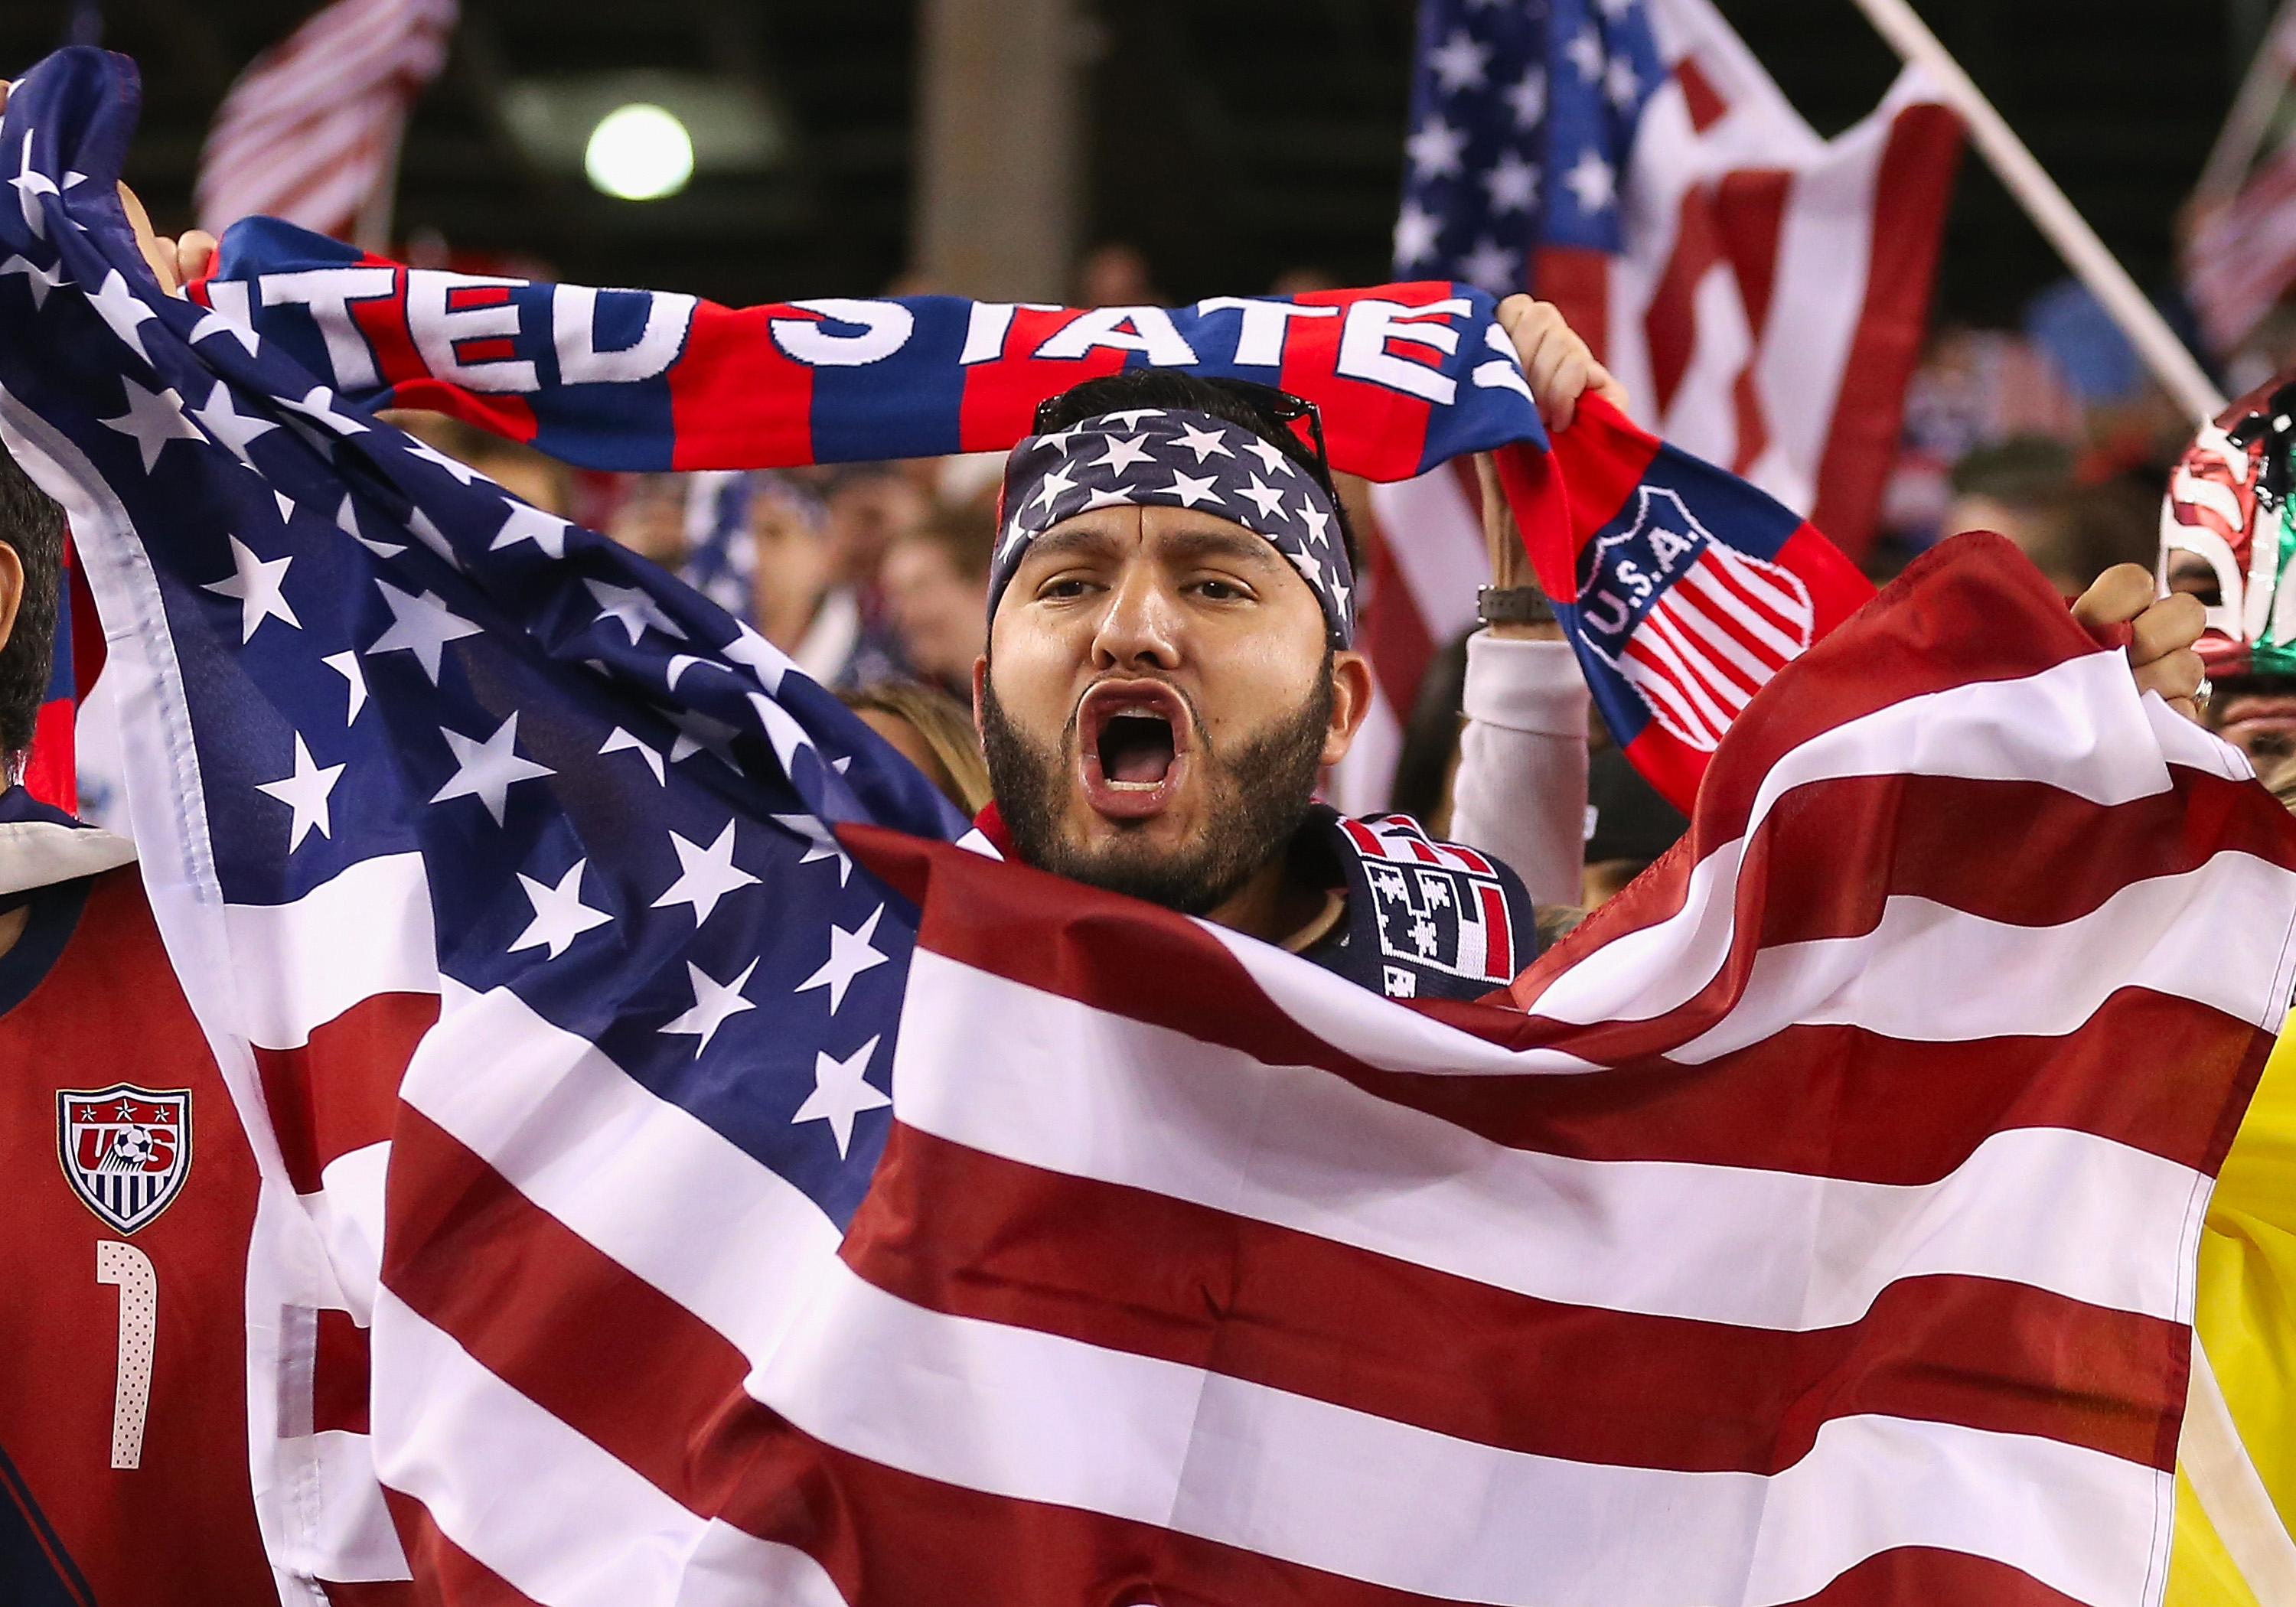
(126, 1150)
(1694, 625)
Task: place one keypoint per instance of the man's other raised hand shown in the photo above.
(1560, 365)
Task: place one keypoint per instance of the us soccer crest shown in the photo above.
(1693, 625)
(126, 1150)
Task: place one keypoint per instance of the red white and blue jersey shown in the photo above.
(1425, 919)
(131, 1191)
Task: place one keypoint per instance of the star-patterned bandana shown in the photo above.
(1174, 457)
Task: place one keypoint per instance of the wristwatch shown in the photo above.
(1512, 605)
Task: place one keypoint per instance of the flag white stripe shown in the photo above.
(585, 1529)
(1302, 1148)
(299, 964)
(1034, 1416)
(1929, 973)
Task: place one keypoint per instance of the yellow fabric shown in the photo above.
(2247, 1323)
(2201, 1573)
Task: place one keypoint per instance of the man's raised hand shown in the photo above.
(2162, 631)
(1560, 365)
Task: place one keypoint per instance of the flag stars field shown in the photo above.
(30, 184)
(821, 843)
(38, 280)
(621, 740)
(526, 522)
(153, 419)
(632, 610)
(124, 310)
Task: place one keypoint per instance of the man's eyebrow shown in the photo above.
(1061, 543)
(1240, 544)
(1223, 543)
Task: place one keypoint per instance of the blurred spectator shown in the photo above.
(936, 586)
(1628, 825)
(517, 468)
(721, 556)
(2023, 489)
(1117, 274)
(650, 518)
(870, 506)
(2070, 327)
(1430, 757)
(2267, 349)
(1973, 388)
(1300, 281)
(932, 731)
(2115, 521)
(970, 479)
(800, 601)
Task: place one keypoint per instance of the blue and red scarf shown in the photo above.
(1682, 587)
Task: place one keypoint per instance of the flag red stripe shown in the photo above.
(445, 1574)
(971, 1234)
(1391, 631)
(339, 1091)
(1670, 323)
(1920, 1573)
(1750, 1107)
(1750, 212)
(1911, 189)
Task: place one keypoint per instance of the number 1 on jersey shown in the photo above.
(131, 1269)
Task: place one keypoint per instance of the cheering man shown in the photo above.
(1170, 667)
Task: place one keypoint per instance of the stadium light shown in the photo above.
(639, 153)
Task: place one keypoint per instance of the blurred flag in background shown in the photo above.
(1762, 291)
(2239, 247)
(311, 131)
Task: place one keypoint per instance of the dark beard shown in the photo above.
(1258, 798)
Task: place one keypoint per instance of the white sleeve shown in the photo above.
(1519, 792)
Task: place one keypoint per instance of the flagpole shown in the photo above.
(2046, 204)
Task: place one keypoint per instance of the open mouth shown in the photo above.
(1133, 737)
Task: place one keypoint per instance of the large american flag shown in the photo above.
(791, 1215)
(311, 131)
(1761, 292)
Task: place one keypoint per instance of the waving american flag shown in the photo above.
(1761, 292)
(785, 1206)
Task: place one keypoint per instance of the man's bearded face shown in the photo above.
(1160, 701)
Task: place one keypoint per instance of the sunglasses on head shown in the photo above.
(1280, 405)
